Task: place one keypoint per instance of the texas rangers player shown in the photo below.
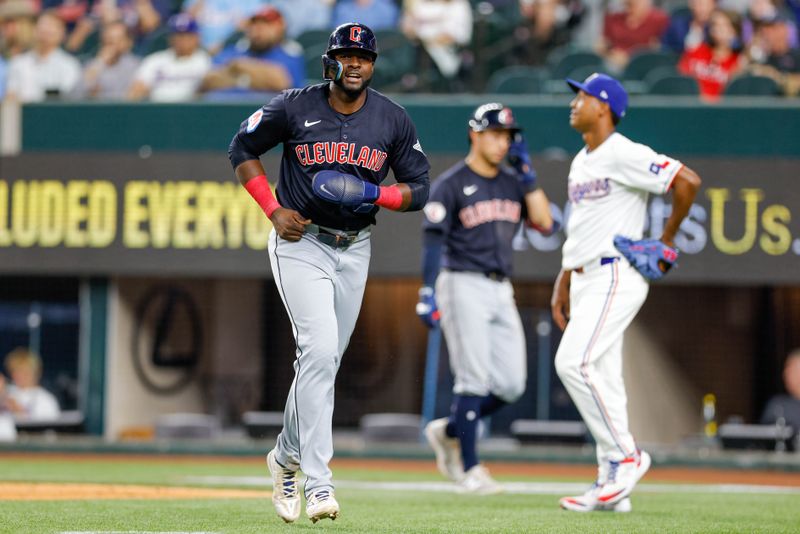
(597, 294)
(339, 141)
(474, 211)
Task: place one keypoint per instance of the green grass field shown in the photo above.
(364, 509)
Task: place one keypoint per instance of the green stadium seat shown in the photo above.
(581, 73)
(752, 85)
(674, 84)
(397, 56)
(516, 80)
(562, 64)
(316, 39)
(642, 63)
(89, 47)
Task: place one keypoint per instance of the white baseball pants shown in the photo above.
(603, 302)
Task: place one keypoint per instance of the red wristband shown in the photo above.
(259, 189)
(390, 197)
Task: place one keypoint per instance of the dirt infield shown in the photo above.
(46, 491)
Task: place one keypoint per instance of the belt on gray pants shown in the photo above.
(592, 265)
(335, 238)
(497, 276)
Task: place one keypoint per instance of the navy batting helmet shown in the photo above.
(353, 35)
(493, 115)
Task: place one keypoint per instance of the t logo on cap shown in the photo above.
(606, 89)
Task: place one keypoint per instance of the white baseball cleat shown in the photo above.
(623, 507)
(478, 480)
(582, 503)
(622, 477)
(322, 504)
(285, 496)
(447, 449)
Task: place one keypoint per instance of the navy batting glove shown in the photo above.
(519, 158)
(345, 189)
(426, 307)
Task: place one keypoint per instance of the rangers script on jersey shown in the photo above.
(608, 190)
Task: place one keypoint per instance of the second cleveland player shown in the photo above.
(474, 211)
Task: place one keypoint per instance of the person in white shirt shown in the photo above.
(24, 398)
(174, 74)
(597, 294)
(442, 26)
(45, 71)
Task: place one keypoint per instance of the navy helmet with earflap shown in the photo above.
(350, 35)
(493, 115)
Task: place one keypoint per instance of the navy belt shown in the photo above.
(497, 276)
(603, 261)
(335, 238)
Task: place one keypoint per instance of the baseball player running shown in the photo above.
(474, 211)
(598, 293)
(340, 139)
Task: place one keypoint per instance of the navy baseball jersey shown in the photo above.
(478, 217)
(315, 137)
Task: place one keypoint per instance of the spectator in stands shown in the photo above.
(45, 71)
(175, 74)
(377, 14)
(638, 27)
(264, 61)
(773, 56)
(546, 24)
(305, 15)
(688, 31)
(70, 11)
(110, 74)
(220, 19)
(786, 406)
(17, 22)
(719, 58)
(759, 10)
(442, 27)
(142, 17)
(24, 397)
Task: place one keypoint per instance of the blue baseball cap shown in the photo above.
(183, 23)
(606, 89)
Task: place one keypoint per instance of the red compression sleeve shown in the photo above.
(390, 197)
(258, 187)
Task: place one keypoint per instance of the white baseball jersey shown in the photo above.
(172, 78)
(608, 189)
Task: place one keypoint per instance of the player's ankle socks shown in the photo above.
(467, 416)
(490, 404)
(450, 429)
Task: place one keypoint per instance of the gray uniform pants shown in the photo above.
(322, 288)
(484, 335)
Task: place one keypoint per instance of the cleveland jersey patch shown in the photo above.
(254, 120)
(435, 212)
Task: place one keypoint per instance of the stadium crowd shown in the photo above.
(181, 50)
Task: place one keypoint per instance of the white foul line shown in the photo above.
(523, 488)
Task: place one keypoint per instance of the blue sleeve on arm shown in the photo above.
(420, 188)
(433, 242)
